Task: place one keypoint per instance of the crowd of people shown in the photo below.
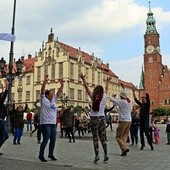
(95, 119)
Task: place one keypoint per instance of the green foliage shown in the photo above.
(162, 111)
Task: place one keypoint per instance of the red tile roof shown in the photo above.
(87, 58)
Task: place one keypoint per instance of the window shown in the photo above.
(99, 78)
(87, 70)
(60, 70)
(71, 93)
(37, 94)
(93, 75)
(19, 96)
(38, 73)
(53, 71)
(20, 81)
(28, 80)
(45, 69)
(71, 70)
(79, 70)
(27, 95)
(79, 94)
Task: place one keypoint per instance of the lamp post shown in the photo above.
(64, 99)
(10, 75)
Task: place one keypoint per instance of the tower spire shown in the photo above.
(149, 6)
(150, 21)
(142, 81)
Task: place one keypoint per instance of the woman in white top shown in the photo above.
(97, 117)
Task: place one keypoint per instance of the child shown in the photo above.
(156, 134)
(167, 131)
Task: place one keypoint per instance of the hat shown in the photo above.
(123, 94)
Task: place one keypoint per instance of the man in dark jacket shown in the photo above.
(144, 119)
(3, 115)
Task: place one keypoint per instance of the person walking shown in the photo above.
(37, 122)
(29, 120)
(108, 117)
(3, 115)
(97, 117)
(122, 131)
(48, 119)
(167, 131)
(69, 121)
(144, 119)
(135, 125)
(19, 123)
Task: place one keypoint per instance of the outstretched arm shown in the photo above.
(35, 104)
(44, 84)
(60, 90)
(2, 99)
(85, 84)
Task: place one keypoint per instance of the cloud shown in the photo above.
(89, 25)
(128, 70)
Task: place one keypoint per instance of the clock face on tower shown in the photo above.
(158, 49)
(150, 49)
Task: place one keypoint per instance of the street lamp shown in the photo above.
(10, 75)
(64, 99)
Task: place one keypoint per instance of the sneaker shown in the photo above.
(42, 159)
(1, 154)
(124, 153)
(14, 143)
(106, 158)
(19, 142)
(52, 158)
(167, 143)
(96, 159)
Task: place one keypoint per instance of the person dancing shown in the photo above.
(97, 117)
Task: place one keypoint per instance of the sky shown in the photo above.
(111, 29)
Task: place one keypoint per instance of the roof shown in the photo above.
(73, 53)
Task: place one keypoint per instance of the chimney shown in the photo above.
(108, 65)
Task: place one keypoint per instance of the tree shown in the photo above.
(162, 111)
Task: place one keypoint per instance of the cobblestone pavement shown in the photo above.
(80, 155)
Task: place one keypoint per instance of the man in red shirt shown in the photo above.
(29, 121)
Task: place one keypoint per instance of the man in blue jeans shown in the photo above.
(48, 119)
(3, 114)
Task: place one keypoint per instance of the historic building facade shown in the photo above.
(61, 61)
(155, 77)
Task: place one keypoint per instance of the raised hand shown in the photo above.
(46, 78)
(61, 81)
(82, 76)
(6, 83)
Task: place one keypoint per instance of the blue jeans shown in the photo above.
(29, 125)
(3, 132)
(18, 134)
(48, 132)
